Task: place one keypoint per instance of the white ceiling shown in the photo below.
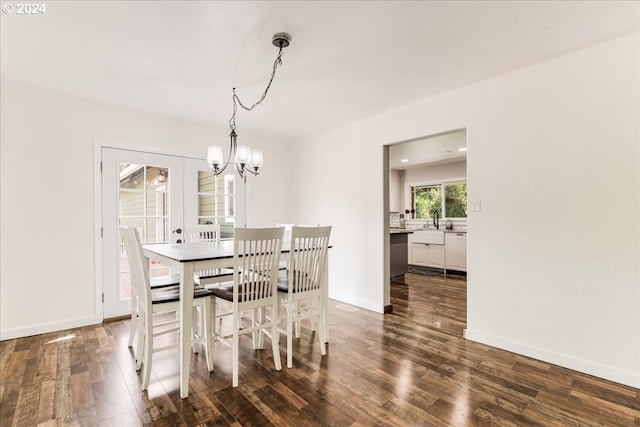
(347, 60)
(433, 150)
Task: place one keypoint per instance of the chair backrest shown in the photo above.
(138, 266)
(309, 246)
(287, 230)
(202, 233)
(256, 256)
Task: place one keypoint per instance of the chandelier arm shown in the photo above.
(220, 170)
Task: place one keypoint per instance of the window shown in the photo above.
(426, 200)
(216, 201)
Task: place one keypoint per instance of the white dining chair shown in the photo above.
(301, 287)
(284, 262)
(206, 234)
(256, 256)
(157, 309)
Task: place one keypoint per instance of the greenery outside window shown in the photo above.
(426, 200)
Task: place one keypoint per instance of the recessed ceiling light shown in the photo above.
(462, 149)
(404, 160)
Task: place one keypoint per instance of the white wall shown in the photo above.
(47, 222)
(553, 151)
(396, 178)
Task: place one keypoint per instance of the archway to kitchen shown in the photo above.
(425, 183)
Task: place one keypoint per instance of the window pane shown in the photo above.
(216, 201)
(157, 231)
(131, 203)
(427, 201)
(206, 206)
(456, 200)
(157, 177)
(131, 176)
(157, 203)
(206, 182)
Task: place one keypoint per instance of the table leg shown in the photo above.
(186, 319)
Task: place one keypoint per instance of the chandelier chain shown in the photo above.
(236, 98)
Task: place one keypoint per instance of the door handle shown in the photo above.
(177, 231)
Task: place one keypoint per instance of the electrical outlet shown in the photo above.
(475, 206)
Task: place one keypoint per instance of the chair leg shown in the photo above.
(148, 351)
(322, 333)
(275, 340)
(258, 317)
(208, 336)
(296, 310)
(313, 320)
(197, 327)
(140, 343)
(235, 349)
(290, 320)
(134, 320)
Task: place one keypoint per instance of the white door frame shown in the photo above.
(98, 205)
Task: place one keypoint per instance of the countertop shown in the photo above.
(415, 230)
(400, 231)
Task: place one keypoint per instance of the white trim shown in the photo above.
(435, 182)
(143, 149)
(356, 301)
(628, 378)
(97, 227)
(45, 328)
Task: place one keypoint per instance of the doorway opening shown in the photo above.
(426, 194)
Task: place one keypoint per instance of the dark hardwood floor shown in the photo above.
(408, 368)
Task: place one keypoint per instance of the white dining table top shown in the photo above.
(187, 252)
(190, 252)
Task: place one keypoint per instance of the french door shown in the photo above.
(141, 190)
(157, 194)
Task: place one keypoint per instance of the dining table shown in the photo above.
(187, 258)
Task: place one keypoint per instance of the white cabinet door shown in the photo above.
(418, 254)
(435, 256)
(456, 251)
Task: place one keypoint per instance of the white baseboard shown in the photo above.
(8, 334)
(369, 305)
(628, 378)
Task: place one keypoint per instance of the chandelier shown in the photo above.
(244, 158)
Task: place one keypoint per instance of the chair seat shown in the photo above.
(164, 281)
(216, 273)
(224, 292)
(283, 284)
(172, 294)
(283, 281)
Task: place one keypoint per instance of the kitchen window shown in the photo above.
(448, 200)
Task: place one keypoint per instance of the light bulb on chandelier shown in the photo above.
(242, 156)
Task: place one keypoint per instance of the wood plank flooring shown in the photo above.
(408, 368)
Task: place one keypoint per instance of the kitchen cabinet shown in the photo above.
(426, 248)
(427, 255)
(456, 251)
